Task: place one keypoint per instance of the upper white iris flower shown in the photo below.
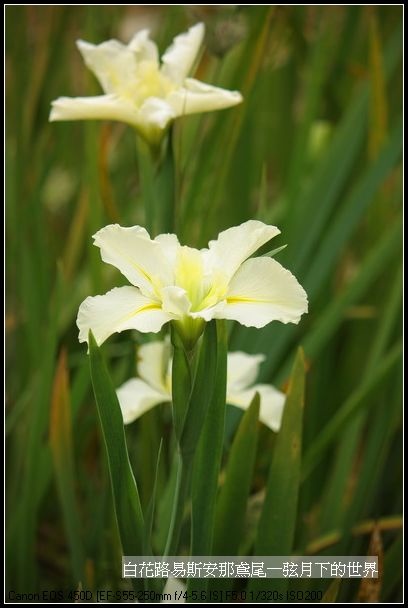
(172, 282)
(141, 91)
(138, 395)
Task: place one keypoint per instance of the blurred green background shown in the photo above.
(315, 149)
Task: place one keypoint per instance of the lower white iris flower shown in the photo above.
(188, 286)
(140, 91)
(139, 395)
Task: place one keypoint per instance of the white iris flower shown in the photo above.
(172, 282)
(139, 395)
(140, 90)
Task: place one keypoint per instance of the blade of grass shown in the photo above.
(381, 435)
(317, 64)
(181, 382)
(370, 588)
(356, 400)
(276, 528)
(314, 547)
(333, 506)
(376, 260)
(24, 521)
(233, 495)
(164, 508)
(95, 215)
(325, 186)
(393, 568)
(202, 392)
(128, 511)
(351, 212)
(337, 165)
(76, 236)
(207, 462)
(63, 461)
(152, 584)
(149, 517)
(199, 401)
(378, 106)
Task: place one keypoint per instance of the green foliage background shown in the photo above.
(315, 149)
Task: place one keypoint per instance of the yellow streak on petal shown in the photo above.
(153, 306)
(239, 299)
(245, 300)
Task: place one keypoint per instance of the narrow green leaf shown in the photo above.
(165, 189)
(181, 492)
(181, 383)
(382, 434)
(63, 461)
(347, 219)
(393, 568)
(233, 496)
(325, 186)
(378, 109)
(232, 501)
(164, 508)
(24, 521)
(15, 415)
(317, 64)
(91, 183)
(201, 393)
(374, 263)
(348, 409)
(263, 195)
(151, 508)
(329, 179)
(337, 164)
(277, 523)
(273, 252)
(369, 590)
(333, 505)
(157, 177)
(151, 583)
(208, 461)
(125, 493)
(145, 451)
(146, 177)
(389, 320)
(198, 404)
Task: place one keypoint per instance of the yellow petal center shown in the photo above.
(149, 82)
(202, 290)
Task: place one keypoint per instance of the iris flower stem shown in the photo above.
(146, 176)
(193, 379)
(157, 177)
(182, 384)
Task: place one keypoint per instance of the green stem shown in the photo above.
(165, 185)
(190, 407)
(181, 381)
(181, 392)
(182, 491)
(96, 218)
(207, 462)
(157, 177)
(146, 176)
